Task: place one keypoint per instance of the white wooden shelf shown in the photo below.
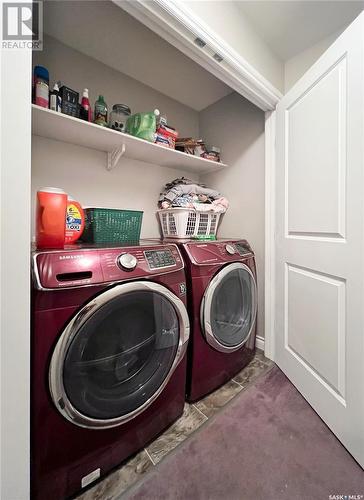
(52, 125)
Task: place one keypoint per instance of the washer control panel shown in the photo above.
(127, 261)
(81, 266)
(158, 259)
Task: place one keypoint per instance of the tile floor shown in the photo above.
(194, 415)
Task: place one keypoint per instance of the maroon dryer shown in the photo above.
(222, 304)
(109, 333)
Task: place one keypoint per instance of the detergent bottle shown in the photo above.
(50, 216)
(75, 221)
(143, 125)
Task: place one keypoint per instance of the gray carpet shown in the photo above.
(267, 444)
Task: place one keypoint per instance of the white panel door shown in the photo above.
(319, 237)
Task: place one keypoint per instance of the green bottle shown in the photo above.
(143, 125)
(100, 116)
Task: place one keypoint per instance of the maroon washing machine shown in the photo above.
(222, 303)
(109, 333)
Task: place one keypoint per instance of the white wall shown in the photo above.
(230, 23)
(77, 71)
(238, 127)
(81, 171)
(297, 66)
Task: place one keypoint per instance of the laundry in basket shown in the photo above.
(190, 210)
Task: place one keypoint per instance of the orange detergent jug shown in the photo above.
(50, 217)
(75, 221)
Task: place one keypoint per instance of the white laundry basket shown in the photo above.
(187, 223)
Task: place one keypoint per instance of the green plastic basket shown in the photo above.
(108, 225)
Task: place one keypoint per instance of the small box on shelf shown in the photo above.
(69, 105)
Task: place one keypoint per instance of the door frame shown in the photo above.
(15, 178)
(180, 26)
(270, 222)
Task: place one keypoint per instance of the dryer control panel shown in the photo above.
(243, 249)
(88, 266)
(216, 252)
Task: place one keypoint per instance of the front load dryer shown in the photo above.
(222, 303)
(108, 370)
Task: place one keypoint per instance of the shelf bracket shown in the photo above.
(114, 157)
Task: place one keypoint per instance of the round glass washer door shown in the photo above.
(117, 354)
(229, 308)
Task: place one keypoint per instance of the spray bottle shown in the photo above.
(85, 110)
(55, 100)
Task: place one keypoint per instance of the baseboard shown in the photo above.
(259, 343)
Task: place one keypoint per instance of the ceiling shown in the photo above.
(289, 27)
(107, 33)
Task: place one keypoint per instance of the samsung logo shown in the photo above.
(70, 257)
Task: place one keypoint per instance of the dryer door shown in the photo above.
(229, 308)
(117, 354)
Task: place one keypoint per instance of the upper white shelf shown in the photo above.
(47, 123)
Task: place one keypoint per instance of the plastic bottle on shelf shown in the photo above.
(55, 100)
(100, 117)
(85, 110)
(143, 125)
(41, 86)
(50, 217)
(75, 221)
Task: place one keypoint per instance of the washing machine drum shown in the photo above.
(229, 308)
(117, 354)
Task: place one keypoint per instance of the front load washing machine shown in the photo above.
(109, 334)
(222, 303)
